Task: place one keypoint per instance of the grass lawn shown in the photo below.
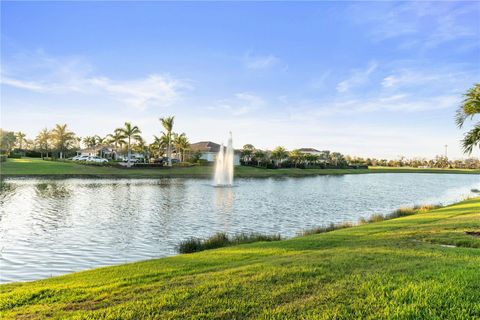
(418, 267)
(38, 167)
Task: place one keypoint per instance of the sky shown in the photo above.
(371, 79)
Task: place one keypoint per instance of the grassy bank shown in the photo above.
(416, 267)
(36, 167)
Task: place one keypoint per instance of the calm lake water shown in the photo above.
(52, 227)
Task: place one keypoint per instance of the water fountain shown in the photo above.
(224, 165)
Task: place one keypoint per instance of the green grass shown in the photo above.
(393, 269)
(38, 167)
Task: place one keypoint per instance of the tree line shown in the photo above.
(60, 142)
(281, 158)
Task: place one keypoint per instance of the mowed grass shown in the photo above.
(38, 167)
(395, 269)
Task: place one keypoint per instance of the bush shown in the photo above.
(221, 239)
(402, 212)
(15, 155)
(3, 157)
(327, 228)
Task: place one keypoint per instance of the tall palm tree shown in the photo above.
(63, 138)
(468, 109)
(118, 139)
(130, 133)
(20, 139)
(181, 145)
(167, 123)
(43, 141)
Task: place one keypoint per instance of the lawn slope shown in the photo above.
(31, 167)
(418, 267)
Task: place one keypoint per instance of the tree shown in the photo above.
(181, 145)
(167, 123)
(90, 141)
(7, 141)
(62, 138)
(130, 133)
(295, 156)
(259, 156)
(20, 139)
(279, 154)
(468, 109)
(161, 143)
(118, 139)
(247, 153)
(338, 160)
(141, 147)
(43, 141)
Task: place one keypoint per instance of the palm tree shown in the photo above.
(20, 139)
(468, 109)
(295, 156)
(118, 139)
(161, 143)
(181, 145)
(260, 156)
(100, 142)
(130, 133)
(62, 138)
(90, 142)
(141, 147)
(167, 123)
(43, 140)
(279, 154)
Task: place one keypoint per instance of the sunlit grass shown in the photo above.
(393, 269)
(38, 167)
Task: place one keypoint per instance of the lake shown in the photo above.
(52, 227)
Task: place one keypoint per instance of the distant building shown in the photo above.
(311, 151)
(209, 151)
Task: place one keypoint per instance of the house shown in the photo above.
(104, 152)
(311, 151)
(208, 151)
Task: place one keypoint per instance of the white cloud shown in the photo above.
(241, 104)
(418, 24)
(357, 78)
(260, 61)
(64, 76)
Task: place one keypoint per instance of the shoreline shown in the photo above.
(367, 257)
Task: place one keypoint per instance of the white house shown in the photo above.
(311, 151)
(209, 151)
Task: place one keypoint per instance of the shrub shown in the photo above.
(326, 228)
(3, 157)
(221, 239)
(402, 212)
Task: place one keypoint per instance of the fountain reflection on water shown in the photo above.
(224, 166)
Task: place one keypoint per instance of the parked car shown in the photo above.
(132, 160)
(96, 159)
(80, 158)
(156, 160)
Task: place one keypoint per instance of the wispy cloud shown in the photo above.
(242, 103)
(64, 76)
(255, 62)
(358, 77)
(420, 24)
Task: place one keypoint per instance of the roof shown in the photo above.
(308, 150)
(205, 146)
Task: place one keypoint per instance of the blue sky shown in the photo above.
(376, 79)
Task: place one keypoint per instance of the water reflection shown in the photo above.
(50, 227)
